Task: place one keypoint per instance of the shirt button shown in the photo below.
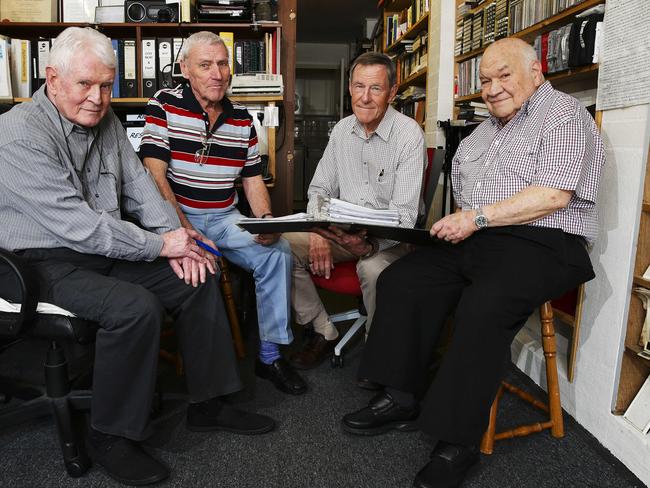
(478, 185)
(366, 182)
(497, 142)
(365, 164)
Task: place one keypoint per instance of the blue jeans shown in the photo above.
(271, 267)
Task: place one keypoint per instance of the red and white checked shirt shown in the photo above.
(551, 142)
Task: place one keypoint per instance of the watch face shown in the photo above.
(481, 221)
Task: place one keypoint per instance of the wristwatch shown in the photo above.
(480, 220)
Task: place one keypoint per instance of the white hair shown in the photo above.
(79, 41)
(202, 37)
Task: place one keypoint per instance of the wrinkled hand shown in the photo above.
(267, 239)
(320, 256)
(180, 243)
(355, 243)
(455, 227)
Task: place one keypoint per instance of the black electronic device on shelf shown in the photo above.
(223, 10)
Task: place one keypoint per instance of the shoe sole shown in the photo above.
(211, 428)
(148, 481)
(408, 426)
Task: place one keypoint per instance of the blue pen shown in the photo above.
(208, 248)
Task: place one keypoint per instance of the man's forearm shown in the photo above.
(257, 196)
(530, 204)
(158, 170)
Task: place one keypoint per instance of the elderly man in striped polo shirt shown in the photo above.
(526, 182)
(196, 143)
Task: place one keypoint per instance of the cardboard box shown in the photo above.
(29, 10)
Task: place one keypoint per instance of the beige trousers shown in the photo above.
(305, 300)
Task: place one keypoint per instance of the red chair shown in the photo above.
(343, 279)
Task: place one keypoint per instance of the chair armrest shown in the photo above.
(29, 291)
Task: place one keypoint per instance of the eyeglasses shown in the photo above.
(201, 155)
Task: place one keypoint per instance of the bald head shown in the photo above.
(510, 73)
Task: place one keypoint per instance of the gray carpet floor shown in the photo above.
(309, 450)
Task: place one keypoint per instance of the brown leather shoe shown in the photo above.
(314, 352)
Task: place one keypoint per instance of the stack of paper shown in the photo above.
(339, 211)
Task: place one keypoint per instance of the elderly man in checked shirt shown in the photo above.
(525, 182)
(374, 158)
(69, 176)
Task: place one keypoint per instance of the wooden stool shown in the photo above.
(553, 408)
(231, 309)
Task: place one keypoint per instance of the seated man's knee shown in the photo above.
(137, 309)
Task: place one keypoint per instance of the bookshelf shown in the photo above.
(403, 34)
(586, 75)
(280, 156)
(634, 368)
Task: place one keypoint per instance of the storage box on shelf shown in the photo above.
(634, 368)
(529, 20)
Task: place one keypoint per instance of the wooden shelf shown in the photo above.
(394, 5)
(534, 30)
(645, 207)
(143, 101)
(417, 78)
(640, 281)
(635, 350)
(572, 74)
(421, 25)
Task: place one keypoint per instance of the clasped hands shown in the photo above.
(320, 251)
(186, 258)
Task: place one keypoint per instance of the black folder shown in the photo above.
(402, 234)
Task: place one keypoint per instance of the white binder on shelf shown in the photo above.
(149, 84)
(21, 68)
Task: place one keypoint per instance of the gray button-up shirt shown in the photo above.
(62, 185)
(380, 171)
(551, 142)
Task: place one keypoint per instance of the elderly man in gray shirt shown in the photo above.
(69, 176)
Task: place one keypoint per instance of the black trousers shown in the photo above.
(494, 280)
(127, 300)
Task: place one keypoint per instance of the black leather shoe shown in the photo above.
(381, 415)
(313, 352)
(215, 414)
(124, 460)
(367, 384)
(283, 376)
(448, 467)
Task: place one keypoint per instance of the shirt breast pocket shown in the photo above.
(470, 165)
(518, 161)
(107, 197)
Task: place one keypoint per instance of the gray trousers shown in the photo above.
(305, 300)
(128, 300)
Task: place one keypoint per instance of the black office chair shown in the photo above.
(57, 397)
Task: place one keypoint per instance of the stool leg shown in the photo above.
(487, 442)
(552, 383)
(231, 310)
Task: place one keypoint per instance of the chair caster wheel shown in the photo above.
(337, 361)
(77, 467)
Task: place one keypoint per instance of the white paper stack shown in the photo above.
(339, 211)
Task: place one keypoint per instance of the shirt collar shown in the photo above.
(532, 103)
(383, 129)
(195, 106)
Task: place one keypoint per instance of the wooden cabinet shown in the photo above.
(280, 155)
(634, 368)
